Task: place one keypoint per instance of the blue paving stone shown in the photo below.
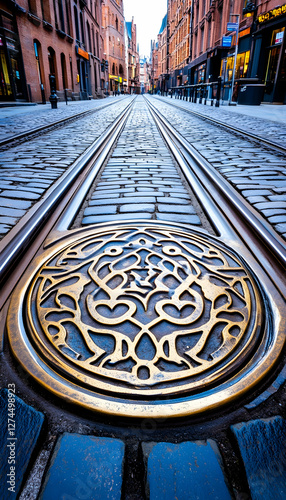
(186, 471)
(85, 467)
(20, 430)
(262, 445)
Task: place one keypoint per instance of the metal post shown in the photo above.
(53, 97)
(235, 56)
(43, 94)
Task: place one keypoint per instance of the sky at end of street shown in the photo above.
(148, 16)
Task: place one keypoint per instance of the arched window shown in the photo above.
(120, 69)
(116, 23)
(38, 55)
(52, 64)
(76, 23)
(64, 70)
(113, 68)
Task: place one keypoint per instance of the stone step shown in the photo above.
(262, 444)
(86, 467)
(20, 428)
(189, 470)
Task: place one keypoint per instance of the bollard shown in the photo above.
(218, 91)
(43, 94)
(53, 97)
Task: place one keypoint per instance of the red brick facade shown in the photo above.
(114, 44)
(62, 38)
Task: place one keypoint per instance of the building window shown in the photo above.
(61, 15)
(82, 28)
(32, 4)
(242, 62)
(64, 70)
(209, 34)
(52, 63)
(46, 13)
(76, 23)
(67, 4)
(88, 36)
(37, 48)
(202, 39)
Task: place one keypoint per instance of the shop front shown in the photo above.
(83, 71)
(12, 77)
(271, 57)
(115, 83)
(241, 67)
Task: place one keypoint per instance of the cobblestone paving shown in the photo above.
(38, 116)
(266, 129)
(258, 173)
(140, 179)
(27, 171)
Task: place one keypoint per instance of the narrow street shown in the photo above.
(142, 262)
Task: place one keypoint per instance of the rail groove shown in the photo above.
(261, 230)
(37, 219)
(244, 133)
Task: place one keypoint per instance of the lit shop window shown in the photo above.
(242, 64)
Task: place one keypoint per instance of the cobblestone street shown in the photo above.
(143, 315)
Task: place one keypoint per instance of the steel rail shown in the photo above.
(261, 230)
(50, 126)
(231, 128)
(32, 223)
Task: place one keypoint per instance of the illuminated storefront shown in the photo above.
(269, 61)
(12, 79)
(241, 67)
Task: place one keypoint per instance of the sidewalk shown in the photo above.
(23, 108)
(271, 112)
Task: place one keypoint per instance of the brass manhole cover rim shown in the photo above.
(53, 377)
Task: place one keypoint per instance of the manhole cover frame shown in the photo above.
(241, 382)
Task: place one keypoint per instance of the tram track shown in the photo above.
(257, 139)
(239, 213)
(13, 140)
(237, 224)
(59, 261)
(42, 215)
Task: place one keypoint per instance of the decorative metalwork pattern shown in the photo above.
(144, 311)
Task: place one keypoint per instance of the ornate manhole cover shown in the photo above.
(127, 318)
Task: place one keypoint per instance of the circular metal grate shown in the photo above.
(127, 319)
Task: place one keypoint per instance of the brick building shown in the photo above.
(154, 67)
(145, 75)
(163, 76)
(12, 75)
(59, 38)
(114, 44)
(133, 58)
(268, 49)
(179, 21)
(197, 52)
